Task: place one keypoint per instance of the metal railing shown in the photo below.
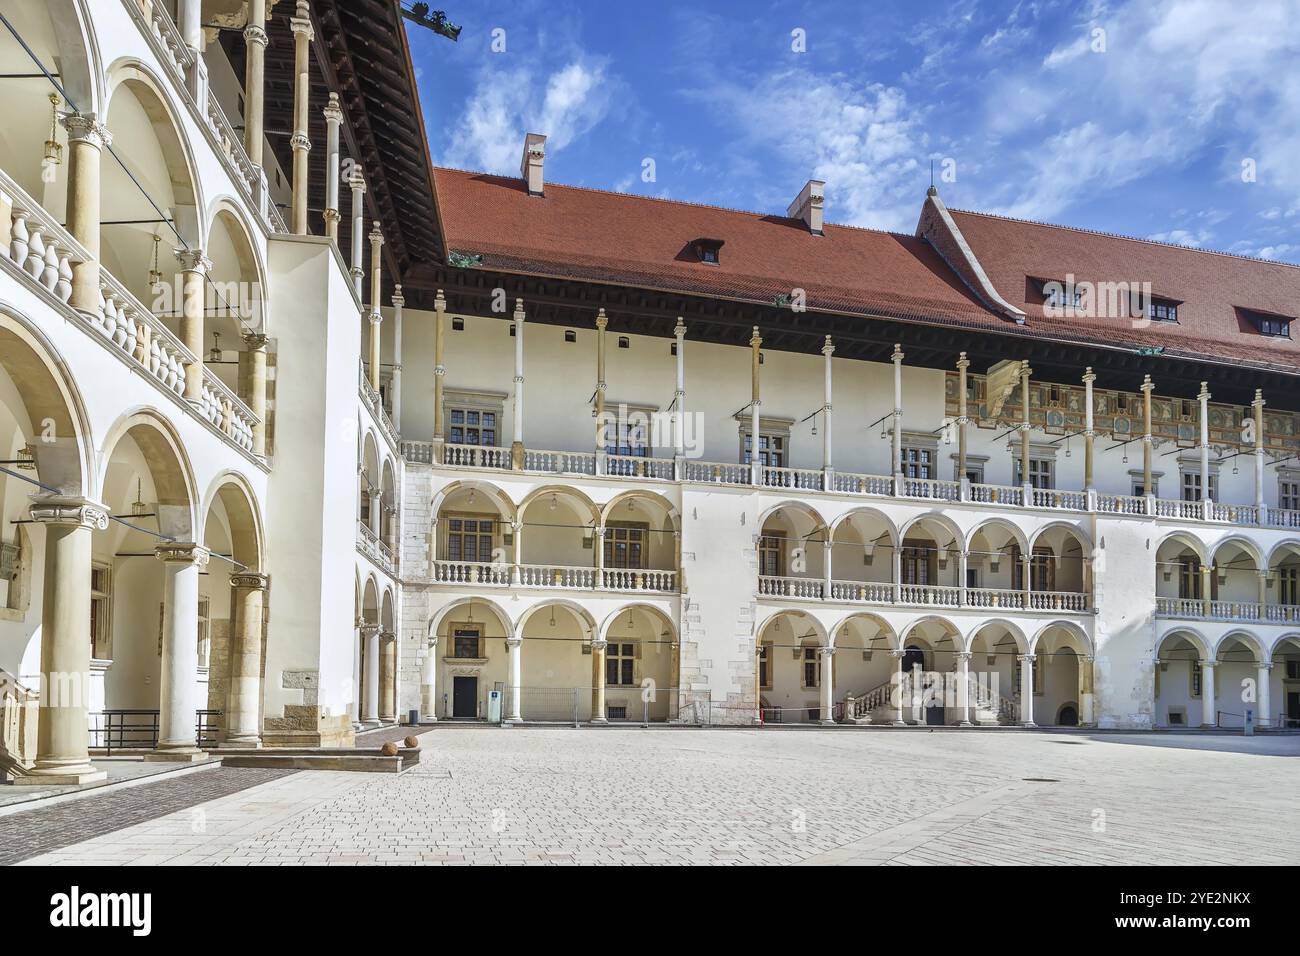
(138, 729)
(573, 705)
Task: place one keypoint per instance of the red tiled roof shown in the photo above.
(615, 238)
(1211, 287)
(633, 240)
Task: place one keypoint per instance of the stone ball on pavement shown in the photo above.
(389, 749)
(411, 741)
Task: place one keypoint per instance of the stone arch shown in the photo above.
(387, 611)
(649, 609)
(505, 507)
(228, 240)
(1188, 540)
(1079, 534)
(607, 510)
(370, 600)
(1011, 629)
(1293, 639)
(169, 466)
(884, 630)
(244, 518)
(819, 630)
(912, 632)
(43, 386)
(589, 506)
(1280, 550)
(866, 511)
(1077, 633)
(1189, 634)
(1248, 640)
(1238, 541)
(445, 611)
(810, 515)
(583, 616)
(1010, 527)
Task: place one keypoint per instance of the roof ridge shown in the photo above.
(1118, 235)
(677, 202)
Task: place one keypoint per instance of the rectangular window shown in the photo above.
(810, 669)
(465, 643)
(1288, 496)
(1040, 472)
(765, 666)
(204, 635)
(101, 642)
(916, 462)
(1189, 579)
(626, 438)
(472, 426)
(771, 554)
(470, 539)
(1288, 585)
(1192, 486)
(620, 665)
(771, 449)
(1163, 310)
(918, 563)
(625, 545)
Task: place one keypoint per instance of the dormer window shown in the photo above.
(1163, 310)
(1058, 295)
(1271, 324)
(708, 250)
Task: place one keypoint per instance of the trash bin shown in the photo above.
(412, 717)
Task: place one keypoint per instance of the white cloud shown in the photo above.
(506, 103)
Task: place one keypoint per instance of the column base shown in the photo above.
(241, 743)
(964, 723)
(175, 756)
(1028, 723)
(370, 723)
(898, 723)
(72, 776)
(827, 722)
(598, 720)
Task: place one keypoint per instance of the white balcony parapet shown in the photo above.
(804, 479)
(637, 466)
(1069, 601)
(1055, 499)
(556, 576)
(713, 472)
(232, 148)
(1246, 611)
(560, 462)
(377, 550)
(1166, 508)
(619, 579)
(1282, 518)
(418, 452)
(997, 495)
(928, 595)
(868, 592)
(851, 484)
(1121, 504)
(995, 598)
(931, 489)
(470, 572)
(475, 456)
(790, 587)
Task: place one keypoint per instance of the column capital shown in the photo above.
(255, 341)
(255, 34)
(86, 128)
(513, 641)
(828, 650)
(193, 260)
(183, 552)
(250, 580)
(375, 317)
(828, 348)
(1204, 394)
(755, 340)
(369, 629)
(519, 310)
(1258, 401)
(376, 234)
(1265, 665)
(897, 357)
(599, 644)
(680, 328)
(387, 635)
(432, 643)
(1209, 663)
(1025, 657)
(1147, 384)
(300, 22)
(1089, 376)
(357, 180)
(440, 302)
(300, 141)
(398, 299)
(333, 111)
(602, 320)
(963, 655)
(897, 652)
(77, 512)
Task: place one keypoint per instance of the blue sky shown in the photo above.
(1177, 120)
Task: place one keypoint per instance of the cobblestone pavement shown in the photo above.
(558, 796)
(28, 833)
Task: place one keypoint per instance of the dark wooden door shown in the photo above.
(464, 697)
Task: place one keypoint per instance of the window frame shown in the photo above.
(470, 401)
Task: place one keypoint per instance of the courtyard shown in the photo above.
(624, 795)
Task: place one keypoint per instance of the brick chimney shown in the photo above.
(808, 206)
(530, 167)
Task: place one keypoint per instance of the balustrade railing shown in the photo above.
(932, 489)
(851, 484)
(555, 576)
(997, 495)
(718, 472)
(870, 592)
(475, 456)
(995, 598)
(1245, 611)
(790, 587)
(560, 462)
(471, 572)
(804, 479)
(636, 466)
(929, 595)
(618, 579)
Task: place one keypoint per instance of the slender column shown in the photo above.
(429, 683)
(255, 342)
(358, 186)
(1258, 406)
(387, 676)
(598, 681)
(395, 388)
(62, 753)
(1207, 570)
(1209, 709)
(515, 646)
(244, 697)
(897, 572)
(963, 688)
(758, 681)
(190, 24)
(1024, 440)
(1089, 431)
(828, 685)
(517, 445)
(828, 466)
(679, 406)
(333, 120)
(358, 686)
(601, 322)
(1148, 440)
(897, 471)
(439, 371)
(755, 408)
(255, 40)
(899, 683)
(1086, 717)
(1263, 677)
(918, 679)
(194, 271)
(1204, 399)
(303, 34)
(963, 563)
(1027, 579)
(828, 560)
(376, 317)
(370, 702)
(1027, 690)
(87, 138)
(178, 689)
(1262, 573)
(963, 419)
